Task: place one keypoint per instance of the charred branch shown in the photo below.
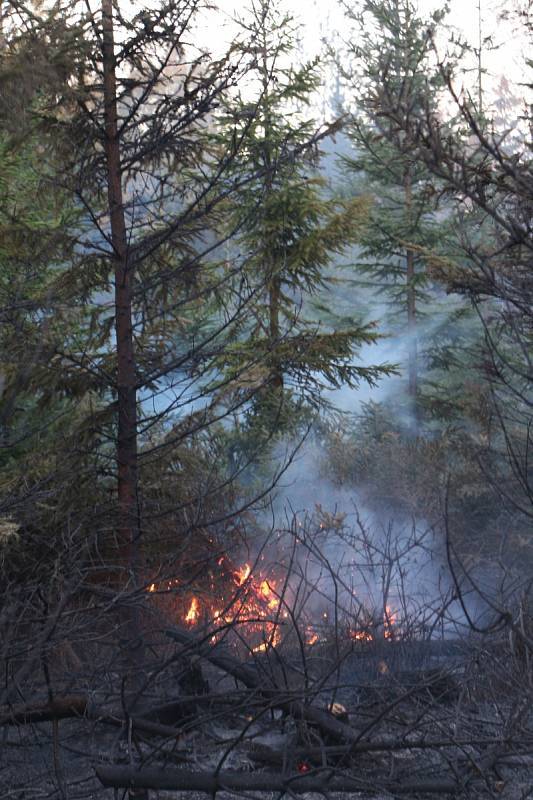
(321, 781)
(59, 708)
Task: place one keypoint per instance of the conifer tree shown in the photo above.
(163, 327)
(186, 262)
(391, 54)
(289, 230)
(38, 226)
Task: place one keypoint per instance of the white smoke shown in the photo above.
(357, 563)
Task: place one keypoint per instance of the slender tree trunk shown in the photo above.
(126, 378)
(274, 292)
(480, 59)
(274, 280)
(411, 298)
(128, 514)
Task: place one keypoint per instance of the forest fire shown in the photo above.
(249, 604)
(257, 610)
(257, 607)
(368, 634)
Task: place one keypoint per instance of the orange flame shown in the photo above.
(361, 636)
(258, 608)
(154, 587)
(193, 614)
(273, 641)
(255, 607)
(389, 620)
(243, 574)
(268, 594)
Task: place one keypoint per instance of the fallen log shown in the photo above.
(77, 706)
(58, 708)
(265, 754)
(210, 783)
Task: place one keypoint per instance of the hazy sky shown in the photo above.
(317, 14)
(321, 19)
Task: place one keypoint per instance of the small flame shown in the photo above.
(193, 613)
(273, 641)
(362, 636)
(154, 587)
(389, 620)
(338, 710)
(243, 574)
(268, 594)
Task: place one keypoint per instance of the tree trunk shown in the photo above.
(411, 299)
(126, 453)
(274, 280)
(274, 292)
(128, 523)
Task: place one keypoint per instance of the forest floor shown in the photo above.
(403, 724)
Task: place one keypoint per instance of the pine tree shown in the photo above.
(38, 225)
(137, 174)
(290, 230)
(144, 314)
(391, 56)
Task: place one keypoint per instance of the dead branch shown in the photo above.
(78, 706)
(59, 708)
(185, 707)
(267, 755)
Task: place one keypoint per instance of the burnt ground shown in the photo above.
(410, 719)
